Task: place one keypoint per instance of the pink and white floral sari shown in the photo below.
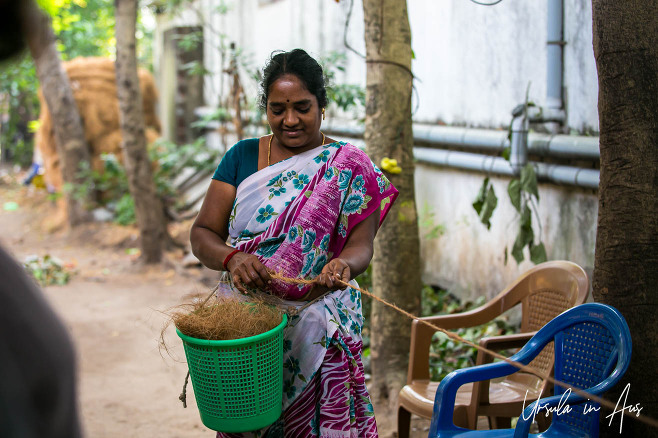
(295, 216)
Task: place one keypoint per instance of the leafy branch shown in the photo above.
(521, 192)
(524, 196)
(344, 96)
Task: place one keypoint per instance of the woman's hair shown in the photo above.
(299, 63)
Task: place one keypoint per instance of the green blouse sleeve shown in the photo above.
(238, 163)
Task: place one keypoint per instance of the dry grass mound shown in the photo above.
(93, 83)
(94, 88)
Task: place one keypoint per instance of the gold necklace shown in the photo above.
(269, 147)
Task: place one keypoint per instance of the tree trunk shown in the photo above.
(72, 147)
(388, 133)
(148, 208)
(626, 258)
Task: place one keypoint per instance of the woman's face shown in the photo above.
(293, 113)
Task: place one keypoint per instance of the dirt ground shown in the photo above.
(115, 311)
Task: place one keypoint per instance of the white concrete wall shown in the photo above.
(581, 80)
(314, 25)
(474, 65)
(468, 259)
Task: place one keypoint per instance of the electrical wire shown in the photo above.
(486, 4)
(347, 24)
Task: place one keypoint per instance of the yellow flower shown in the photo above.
(390, 165)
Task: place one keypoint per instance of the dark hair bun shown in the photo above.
(300, 64)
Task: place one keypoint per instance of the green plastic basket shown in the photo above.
(237, 383)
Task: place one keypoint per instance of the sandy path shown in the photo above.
(113, 311)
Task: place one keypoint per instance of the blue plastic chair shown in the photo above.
(592, 352)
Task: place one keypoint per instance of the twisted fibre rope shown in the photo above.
(603, 402)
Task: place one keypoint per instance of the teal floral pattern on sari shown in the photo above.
(340, 187)
(299, 213)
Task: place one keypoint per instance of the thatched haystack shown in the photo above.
(94, 88)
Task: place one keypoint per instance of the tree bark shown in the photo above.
(72, 147)
(388, 133)
(625, 36)
(148, 207)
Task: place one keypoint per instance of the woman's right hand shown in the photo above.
(248, 272)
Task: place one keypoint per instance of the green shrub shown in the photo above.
(125, 210)
(47, 270)
(109, 187)
(446, 355)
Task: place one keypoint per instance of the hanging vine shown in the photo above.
(524, 196)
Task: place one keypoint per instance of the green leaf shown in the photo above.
(526, 219)
(529, 180)
(517, 248)
(538, 253)
(33, 126)
(190, 41)
(490, 203)
(506, 152)
(125, 210)
(48, 6)
(479, 199)
(514, 192)
(525, 236)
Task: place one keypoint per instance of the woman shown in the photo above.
(303, 205)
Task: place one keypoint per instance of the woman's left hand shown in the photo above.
(334, 275)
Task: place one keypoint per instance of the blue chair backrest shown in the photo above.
(596, 347)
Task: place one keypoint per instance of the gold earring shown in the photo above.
(322, 113)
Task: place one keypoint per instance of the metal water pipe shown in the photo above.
(554, 55)
(577, 147)
(553, 110)
(574, 176)
(519, 142)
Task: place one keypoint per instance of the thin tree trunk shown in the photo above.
(396, 264)
(72, 147)
(148, 208)
(626, 258)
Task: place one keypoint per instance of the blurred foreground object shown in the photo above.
(11, 28)
(37, 362)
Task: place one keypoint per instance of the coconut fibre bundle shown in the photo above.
(227, 318)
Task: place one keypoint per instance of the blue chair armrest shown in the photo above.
(444, 401)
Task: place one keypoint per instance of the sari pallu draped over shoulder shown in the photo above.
(297, 214)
